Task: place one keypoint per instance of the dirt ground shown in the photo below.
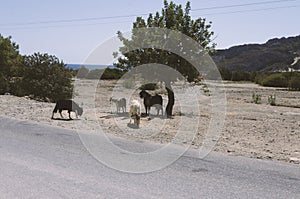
(252, 130)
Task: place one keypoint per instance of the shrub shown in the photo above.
(112, 73)
(259, 78)
(225, 73)
(94, 74)
(16, 87)
(82, 72)
(256, 98)
(272, 100)
(149, 86)
(241, 76)
(3, 84)
(46, 78)
(294, 82)
(275, 80)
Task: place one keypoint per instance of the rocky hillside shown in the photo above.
(275, 55)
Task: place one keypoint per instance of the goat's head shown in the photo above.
(143, 94)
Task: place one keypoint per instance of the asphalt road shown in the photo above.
(39, 161)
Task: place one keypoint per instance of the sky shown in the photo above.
(73, 29)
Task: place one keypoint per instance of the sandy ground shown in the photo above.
(253, 130)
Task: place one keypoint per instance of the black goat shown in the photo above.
(68, 105)
(152, 100)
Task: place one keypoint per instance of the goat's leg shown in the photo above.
(61, 114)
(135, 120)
(159, 108)
(70, 115)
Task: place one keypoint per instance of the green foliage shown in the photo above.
(275, 80)
(289, 80)
(294, 83)
(256, 98)
(112, 73)
(272, 100)
(17, 87)
(172, 17)
(82, 72)
(105, 74)
(149, 86)
(259, 78)
(9, 56)
(4, 84)
(46, 78)
(40, 75)
(9, 61)
(226, 74)
(241, 76)
(94, 74)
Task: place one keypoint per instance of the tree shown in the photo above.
(4, 84)
(172, 17)
(225, 73)
(9, 60)
(46, 77)
(112, 73)
(275, 80)
(294, 82)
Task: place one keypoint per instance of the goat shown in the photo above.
(149, 100)
(120, 103)
(68, 105)
(135, 112)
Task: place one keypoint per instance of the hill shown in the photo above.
(275, 55)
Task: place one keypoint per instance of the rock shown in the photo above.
(230, 151)
(295, 160)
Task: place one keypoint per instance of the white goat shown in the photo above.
(120, 103)
(135, 112)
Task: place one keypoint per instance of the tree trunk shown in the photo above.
(171, 100)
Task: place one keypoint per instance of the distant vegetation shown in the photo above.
(290, 80)
(105, 74)
(274, 63)
(41, 76)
